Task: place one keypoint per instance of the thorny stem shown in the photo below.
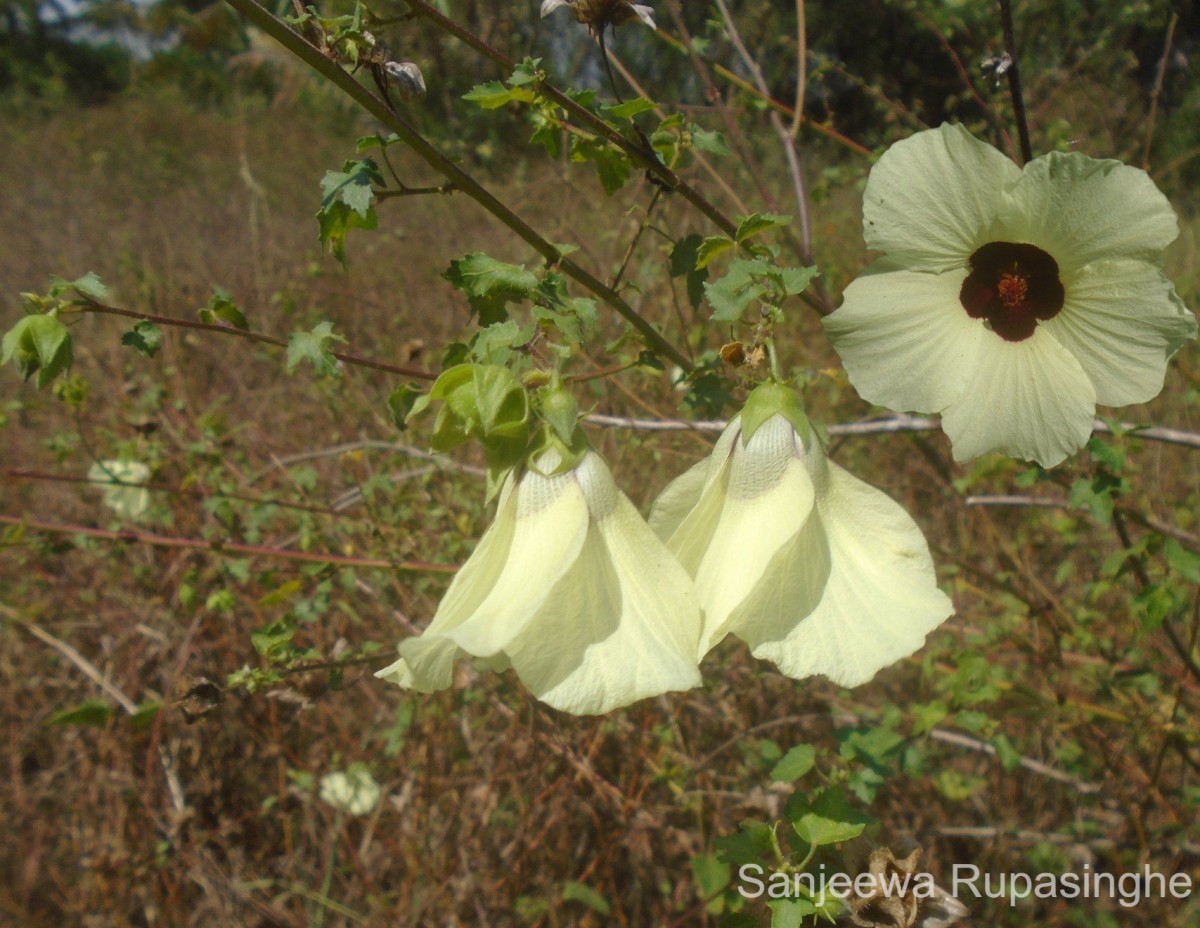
(1014, 81)
(336, 75)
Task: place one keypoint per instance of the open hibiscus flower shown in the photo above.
(1010, 300)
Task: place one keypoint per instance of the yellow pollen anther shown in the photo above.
(1012, 289)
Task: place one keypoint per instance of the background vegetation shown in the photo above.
(170, 710)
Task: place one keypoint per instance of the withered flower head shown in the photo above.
(903, 896)
(599, 14)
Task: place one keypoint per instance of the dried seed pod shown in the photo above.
(407, 78)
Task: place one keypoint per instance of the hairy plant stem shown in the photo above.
(91, 306)
(1014, 81)
(464, 182)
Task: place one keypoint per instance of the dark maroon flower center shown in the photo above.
(1013, 287)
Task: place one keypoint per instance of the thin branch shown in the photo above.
(782, 108)
(344, 81)
(19, 474)
(635, 149)
(886, 425)
(91, 306)
(218, 547)
(1159, 76)
(1056, 502)
(1024, 836)
(333, 451)
(1182, 651)
(1034, 766)
(89, 670)
(641, 230)
(801, 68)
(985, 107)
(1032, 502)
(717, 102)
(1014, 81)
(703, 161)
(788, 140)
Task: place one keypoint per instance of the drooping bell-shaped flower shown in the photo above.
(816, 571)
(1010, 300)
(571, 589)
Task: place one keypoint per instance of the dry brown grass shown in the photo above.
(492, 802)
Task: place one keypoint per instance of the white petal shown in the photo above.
(1122, 320)
(678, 498)
(1028, 399)
(931, 199)
(622, 625)
(758, 506)
(1080, 210)
(881, 597)
(538, 532)
(644, 13)
(904, 338)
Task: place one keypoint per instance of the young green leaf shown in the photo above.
(685, 258)
(790, 913)
(315, 347)
(221, 310)
(89, 286)
(490, 285)
(827, 819)
(630, 108)
(38, 345)
(794, 764)
(145, 337)
(493, 95)
(578, 892)
(757, 223)
(92, 712)
(400, 403)
(346, 204)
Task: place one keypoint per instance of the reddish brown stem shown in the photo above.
(219, 547)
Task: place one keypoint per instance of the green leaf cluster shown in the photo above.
(39, 343)
(347, 197)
